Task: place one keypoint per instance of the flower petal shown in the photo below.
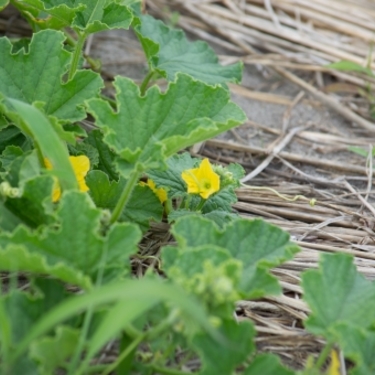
(203, 180)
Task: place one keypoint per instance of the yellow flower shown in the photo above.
(334, 367)
(160, 192)
(81, 165)
(203, 180)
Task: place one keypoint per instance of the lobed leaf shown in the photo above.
(258, 245)
(337, 293)
(8, 220)
(78, 242)
(169, 52)
(267, 364)
(89, 16)
(48, 14)
(144, 205)
(144, 131)
(100, 15)
(37, 76)
(46, 140)
(35, 206)
(52, 352)
(224, 359)
(358, 345)
(170, 178)
(17, 258)
(24, 309)
(135, 295)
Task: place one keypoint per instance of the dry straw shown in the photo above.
(294, 37)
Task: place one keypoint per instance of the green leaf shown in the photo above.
(48, 14)
(351, 67)
(225, 358)
(144, 205)
(170, 178)
(11, 160)
(8, 220)
(258, 245)
(77, 242)
(85, 148)
(24, 366)
(18, 259)
(24, 309)
(220, 218)
(105, 193)
(37, 76)
(3, 4)
(360, 151)
(86, 15)
(11, 135)
(337, 293)
(106, 156)
(267, 364)
(146, 130)
(35, 124)
(52, 352)
(35, 206)
(359, 346)
(102, 15)
(208, 272)
(137, 293)
(169, 52)
(221, 201)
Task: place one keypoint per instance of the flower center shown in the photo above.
(206, 184)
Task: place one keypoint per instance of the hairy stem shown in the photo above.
(168, 371)
(130, 350)
(86, 325)
(145, 82)
(323, 355)
(125, 196)
(77, 54)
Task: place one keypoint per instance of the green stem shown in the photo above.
(5, 335)
(96, 369)
(129, 349)
(86, 325)
(323, 355)
(145, 82)
(125, 196)
(201, 204)
(77, 54)
(69, 39)
(168, 371)
(111, 101)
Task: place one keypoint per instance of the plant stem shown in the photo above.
(125, 196)
(86, 324)
(130, 348)
(145, 82)
(323, 355)
(201, 204)
(77, 55)
(168, 371)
